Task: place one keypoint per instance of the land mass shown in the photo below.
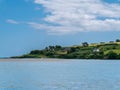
(102, 50)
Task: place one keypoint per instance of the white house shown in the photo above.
(96, 50)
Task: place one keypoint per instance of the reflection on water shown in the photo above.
(63, 75)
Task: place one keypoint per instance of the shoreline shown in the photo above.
(49, 59)
(32, 59)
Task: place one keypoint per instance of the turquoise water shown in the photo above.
(60, 75)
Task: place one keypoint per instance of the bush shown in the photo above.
(112, 55)
(36, 52)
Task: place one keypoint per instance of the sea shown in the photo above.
(59, 74)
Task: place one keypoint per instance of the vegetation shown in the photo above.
(102, 50)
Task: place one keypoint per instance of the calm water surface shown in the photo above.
(60, 75)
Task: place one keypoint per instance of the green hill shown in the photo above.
(101, 50)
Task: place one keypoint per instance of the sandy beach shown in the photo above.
(31, 60)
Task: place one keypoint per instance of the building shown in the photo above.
(96, 50)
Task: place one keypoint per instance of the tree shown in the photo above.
(111, 55)
(58, 47)
(85, 44)
(36, 52)
(46, 48)
(50, 54)
(51, 48)
(117, 40)
(72, 49)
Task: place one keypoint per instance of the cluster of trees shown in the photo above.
(49, 51)
(52, 48)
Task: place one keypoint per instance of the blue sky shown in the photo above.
(26, 25)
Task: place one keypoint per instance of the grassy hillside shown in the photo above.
(109, 50)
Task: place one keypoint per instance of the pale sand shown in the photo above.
(32, 60)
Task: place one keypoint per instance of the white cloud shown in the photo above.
(12, 21)
(72, 16)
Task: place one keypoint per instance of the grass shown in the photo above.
(116, 51)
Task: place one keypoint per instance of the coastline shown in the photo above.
(98, 51)
(32, 59)
(47, 59)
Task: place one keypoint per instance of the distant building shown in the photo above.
(96, 50)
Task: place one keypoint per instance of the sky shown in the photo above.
(27, 25)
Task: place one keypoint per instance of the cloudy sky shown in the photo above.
(26, 25)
